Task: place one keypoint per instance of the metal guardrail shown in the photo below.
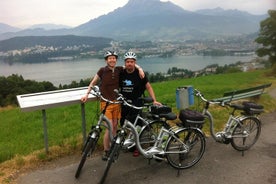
(51, 99)
(244, 93)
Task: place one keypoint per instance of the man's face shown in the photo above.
(111, 61)
(130, 64)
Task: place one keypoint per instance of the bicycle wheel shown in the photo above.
(114, 154)
(88, 150)
(149, 133)
(186, 148)
(246, 133)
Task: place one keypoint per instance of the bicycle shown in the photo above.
(182, 147)
(242, 131)
(95, 131)
(147, 121)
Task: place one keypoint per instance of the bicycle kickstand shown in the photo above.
(178, 173)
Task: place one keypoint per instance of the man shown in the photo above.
(132, 86)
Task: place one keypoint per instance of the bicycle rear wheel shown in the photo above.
(246, 134)
(112, 157)
(186, 148)
(149, 133)
(89, 147)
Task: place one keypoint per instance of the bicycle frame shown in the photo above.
(157, 148)
(105, 122)
(129, 141)
(232, 122)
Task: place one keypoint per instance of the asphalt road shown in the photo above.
(220, 164)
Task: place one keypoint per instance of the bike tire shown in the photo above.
(194, 143)
(112, 157)
(250, 126)
(89, 148)
(149, 133)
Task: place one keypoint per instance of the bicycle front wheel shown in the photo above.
(88, 150)
(246, 134)
(114, 154)
(185, 148)
(149, 133)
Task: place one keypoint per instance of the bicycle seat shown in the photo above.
(168, 116)
(237, 106)
(251, 108)
(154, 109)
(146, 99)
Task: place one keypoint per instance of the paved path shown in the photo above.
(220, 164)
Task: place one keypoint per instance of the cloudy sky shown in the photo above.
(23, 13)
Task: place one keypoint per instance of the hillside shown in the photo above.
(97, 43)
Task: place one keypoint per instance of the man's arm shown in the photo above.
(141, 71)
(151, 93)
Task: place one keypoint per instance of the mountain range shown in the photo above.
(156, 20)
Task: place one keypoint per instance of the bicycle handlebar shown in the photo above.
(125, 102)
(199, 94)
(96, 92)
(120, 99)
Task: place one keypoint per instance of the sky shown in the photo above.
(24, 13)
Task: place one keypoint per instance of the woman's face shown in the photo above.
(111, 61)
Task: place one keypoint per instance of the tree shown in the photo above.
(267, 37)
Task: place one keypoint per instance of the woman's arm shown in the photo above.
(93, 82)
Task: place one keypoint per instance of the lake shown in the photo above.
(64, 72)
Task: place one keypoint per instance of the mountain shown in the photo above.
(156, 20)
(221, 12)
(7, 28)
(49, 26)
(153, 20)
(54, 41)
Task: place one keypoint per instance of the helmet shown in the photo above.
(130, 55)
(110, 53)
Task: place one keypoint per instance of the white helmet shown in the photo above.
(130, 55)
(110, 53)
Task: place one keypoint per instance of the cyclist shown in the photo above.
(132, 87)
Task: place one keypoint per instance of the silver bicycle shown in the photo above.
(242, 131)
(95, 132)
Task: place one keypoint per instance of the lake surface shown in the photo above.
(64, 72)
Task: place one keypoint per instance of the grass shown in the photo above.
(22, 138)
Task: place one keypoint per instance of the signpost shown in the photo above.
(45, 100)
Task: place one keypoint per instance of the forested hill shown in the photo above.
(17, 43)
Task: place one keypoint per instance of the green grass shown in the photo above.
(21, 133)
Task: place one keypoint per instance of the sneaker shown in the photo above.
(105, 155)
(136, 153)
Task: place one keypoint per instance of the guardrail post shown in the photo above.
(83, 122)
(45, 130)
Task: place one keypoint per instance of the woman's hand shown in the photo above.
(84, 98)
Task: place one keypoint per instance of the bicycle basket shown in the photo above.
(154, 109)
(251, 108)
(191, 118)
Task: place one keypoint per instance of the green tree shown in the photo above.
(267, 37)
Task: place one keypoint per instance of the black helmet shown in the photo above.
(110, 53)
